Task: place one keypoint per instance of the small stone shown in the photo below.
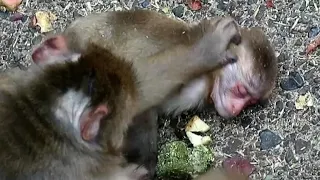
(233, 145)
(262, 116)
(269, 139)
(289, 156)
(304, 90)
(290, 105)
(314, 31)
(178, 11)
(246, 121)
(18, 16)
(294, 81)
(76, 14)
(316, 80)
(37, 40)
(301, 146)
(145, 4)
(279, 106)
(305, 128)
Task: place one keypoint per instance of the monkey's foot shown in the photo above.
(11, 5)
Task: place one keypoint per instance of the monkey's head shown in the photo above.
(93, 87)
(248, 81)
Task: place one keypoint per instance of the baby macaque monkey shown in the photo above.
(66, 118)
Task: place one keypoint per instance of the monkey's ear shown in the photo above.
(53, 50)
(90, 122)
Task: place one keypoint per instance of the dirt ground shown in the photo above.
(293, 138)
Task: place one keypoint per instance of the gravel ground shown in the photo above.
(294, 149)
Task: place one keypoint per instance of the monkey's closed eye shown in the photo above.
(230, 57)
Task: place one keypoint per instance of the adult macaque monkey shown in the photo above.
(138, 34)
(135, 35)
(66, 118)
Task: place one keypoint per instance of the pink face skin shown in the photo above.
(230, 101)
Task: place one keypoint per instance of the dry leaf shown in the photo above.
(197, 140)
(44, 20)
(270, 4)
(194, 4)
(313, 45)
(303, 101)
(10, 5)
(197, 125)
(165, 10)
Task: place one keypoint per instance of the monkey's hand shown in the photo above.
(214, 45)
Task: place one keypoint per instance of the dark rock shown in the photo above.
(250, 2)
(17, 17)
(246, 121)
(4, 14)
(76, 14)
(279, 106)
(269, 139)
(294, 81)
(301, 146)
(145, 4)
(233, 145)
(313, 32)
(316, 80)
(283, 57)
(262, 116)
(178, 11)
(37, 40)
(304, 90)
(289, 157)
(309, 74)
(288, 96)
(290, 105)
(305, 128)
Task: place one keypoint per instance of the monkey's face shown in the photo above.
(238, 85)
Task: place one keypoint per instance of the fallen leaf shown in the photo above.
(238, 164)
(313, 45)
(17, 17)
(303, 101)
(270, 4)
(194, 4)
(165, 10)
(10, 5)
(197, 125)
(197, 140)
(44, 20)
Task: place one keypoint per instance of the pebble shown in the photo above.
(145, 4)
(294, 81)
(269, 139)
(289, 156)
(17, 17)
(301, 146)
(313, 32)
(233, 145)
(279, 106)
(178, 11)
(246, 121)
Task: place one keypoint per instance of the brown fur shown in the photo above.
(45, 120)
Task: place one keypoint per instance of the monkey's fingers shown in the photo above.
(229, 28)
